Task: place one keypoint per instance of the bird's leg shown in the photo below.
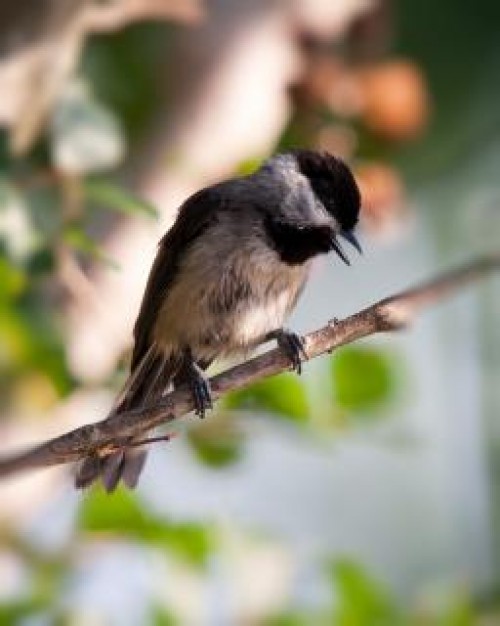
(291, 344)
(192, 374)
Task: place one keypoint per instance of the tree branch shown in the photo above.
(390, 314)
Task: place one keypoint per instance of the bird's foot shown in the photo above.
(200, 389)
(293, 346)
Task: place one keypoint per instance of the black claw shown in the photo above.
(191, 374)
(200, 388)
(293, 346)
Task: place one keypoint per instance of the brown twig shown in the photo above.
(390, 314)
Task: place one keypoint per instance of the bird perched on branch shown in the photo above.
(226, 276)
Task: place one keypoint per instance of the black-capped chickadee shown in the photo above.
(226, 276)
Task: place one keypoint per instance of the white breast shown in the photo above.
(251, 324)
(209, 274)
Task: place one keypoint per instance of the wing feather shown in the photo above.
(195, 216)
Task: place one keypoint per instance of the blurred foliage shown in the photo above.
(121, 514)
(85, 136)
(461, 78)
(359, 600)
(362, 384)
(100, 518)
(364, 379)
(160, 617)
(51, 200)
(218, 441)
(283, 396)
(353, 598)
(124, 68)
(109, 196)
(54, 200)
(78, 241)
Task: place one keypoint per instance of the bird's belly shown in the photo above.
(225, 305)
(251, 321)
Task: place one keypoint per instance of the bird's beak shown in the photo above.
(338, 249)
(349, 236)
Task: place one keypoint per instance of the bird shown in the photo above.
(226, 276)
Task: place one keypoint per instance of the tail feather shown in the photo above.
(132, 466)
(88, 471)
(138, 382)
(112, 469)
(147, 383)
(125, 465)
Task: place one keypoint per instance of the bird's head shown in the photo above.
(320, 204)
(336, 191)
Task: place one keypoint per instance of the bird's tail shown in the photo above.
(148, 382)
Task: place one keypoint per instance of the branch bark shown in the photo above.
(390, 314)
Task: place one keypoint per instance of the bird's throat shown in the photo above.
(296, 244)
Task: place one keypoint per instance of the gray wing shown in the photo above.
(151, 372)
(195, 216)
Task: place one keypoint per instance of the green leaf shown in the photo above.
(460, 613)
(85, 135)
(16, 612)
(13, 280)
(41, 263)
(249, 166)
(191, 541)
(28, 341)
(117, 512)
(161, 617)
(122, 514)
(14, 339)
(122, 68)
(360, 600)
(217, 442)
(17, 234)
(77, 239)
(364, 378)
(115, 198)
(282, 395)
(291, 619)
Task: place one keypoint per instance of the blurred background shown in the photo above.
(368, 491)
